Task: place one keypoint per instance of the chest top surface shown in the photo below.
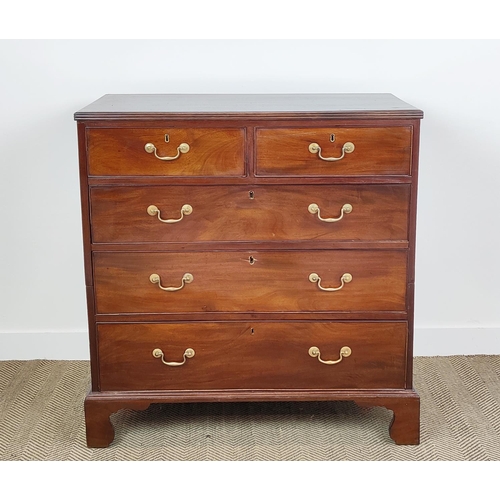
(130, 106)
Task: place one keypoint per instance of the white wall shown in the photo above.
(42, 302)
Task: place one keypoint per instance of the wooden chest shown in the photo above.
(249, 248)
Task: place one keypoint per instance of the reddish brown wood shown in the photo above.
(253, 355)
(250, 213)
(404, 429)
(94, 362)
(405, 424)
(100, 431)
(316, 316)
(244, 181)
(382, 150)
(411, 252)
(228, 282)
(121, 152)
(216, 246)
(243, 143)
(85, 203)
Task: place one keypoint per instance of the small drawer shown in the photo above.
(259, 213)
(341, 152)
(259, 281)
(282, 355)
(166, 152)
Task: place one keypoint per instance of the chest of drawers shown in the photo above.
(249, 248)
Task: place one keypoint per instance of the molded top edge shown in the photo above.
(140, 106)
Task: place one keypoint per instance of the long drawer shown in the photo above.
(235, 213)
(260, 281)
(335, 151)
(252, 355)
(145, 151)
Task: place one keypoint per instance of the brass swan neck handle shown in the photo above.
(185, 210)
(313, 208)
(156, 280)
(181, 148)
(314, 148)
(345, 278)
(188, 353)
(345, 352)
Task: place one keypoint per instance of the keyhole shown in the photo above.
(251, 260)
(332, 137)
(251, 195)
(252, 331)
(167, 138)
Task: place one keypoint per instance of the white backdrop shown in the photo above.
(455, 83)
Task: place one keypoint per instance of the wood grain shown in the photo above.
(99, 430)
(250, 324)
(404, 428)
(227, 282)
(252, 355)
(121, 151)
(249, 213)
(378, 151)
(405, 424)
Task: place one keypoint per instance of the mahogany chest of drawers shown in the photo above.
(249, 248)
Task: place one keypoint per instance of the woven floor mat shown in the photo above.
(41, 418)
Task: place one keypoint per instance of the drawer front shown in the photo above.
(260, 213)
(252, 356)
(123, 152)
(377, 151)
(260, 281)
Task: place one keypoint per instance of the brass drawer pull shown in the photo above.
(188, 353)
(314, 209)
(185, 210)
(345, 352)
(187, 278)
(345, 278)
(314, 148)
(182, 148)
